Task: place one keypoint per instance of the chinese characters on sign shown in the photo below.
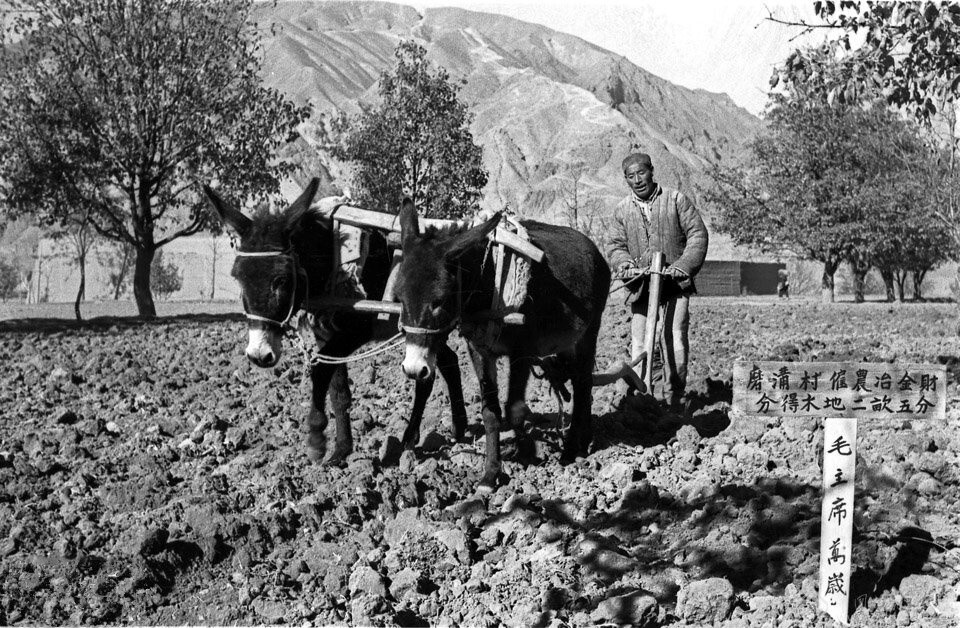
(840, 389)
(836, 519)
(841, 393)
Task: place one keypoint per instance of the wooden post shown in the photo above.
(653, 308)
(836, 519)
(388, 290)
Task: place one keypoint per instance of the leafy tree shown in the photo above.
(414, 142)
(907, 51)
(9, 279)
(821, 184)
(117, 107)
(166, 277)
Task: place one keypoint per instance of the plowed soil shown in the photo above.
(150, 475)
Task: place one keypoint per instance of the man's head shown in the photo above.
(638, 171)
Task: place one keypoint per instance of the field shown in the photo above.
(150, 475)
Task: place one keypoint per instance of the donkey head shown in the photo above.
(428, 286)
(272, 283)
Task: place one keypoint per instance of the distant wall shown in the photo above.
(734, 278)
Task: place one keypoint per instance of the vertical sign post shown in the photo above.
(836, 519)
(841, 393)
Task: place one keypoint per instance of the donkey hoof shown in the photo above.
(410, 442)
(316, 454)
(526, 449)
(570, 454)
(488, 483)
(336, 461)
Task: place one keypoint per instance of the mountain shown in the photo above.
(550, 108)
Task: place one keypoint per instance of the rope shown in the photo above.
(315, 357)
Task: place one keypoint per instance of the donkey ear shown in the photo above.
(229, 215)
(471, 237)
(409, 223)
(298, 209)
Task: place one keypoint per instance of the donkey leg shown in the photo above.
(516, 409)
(449, 367)
(422, 390)
(341, 400)
(486, 369)
(580, 435)
(320, 376)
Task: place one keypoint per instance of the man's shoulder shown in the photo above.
(676, 195)
(666, 193)
(625, 203)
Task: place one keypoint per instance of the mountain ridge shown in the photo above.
(550, 108)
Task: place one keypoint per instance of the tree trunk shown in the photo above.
(901, 278)
(860, 269)
(122, 273)
(141, 282)
(827, 282)
(918, 277)
(82, 263)
(859, 280)
(213, 272)
(888, 284)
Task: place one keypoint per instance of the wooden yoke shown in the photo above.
(368, 219)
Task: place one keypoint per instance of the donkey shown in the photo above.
(445, 280)
(282, 258)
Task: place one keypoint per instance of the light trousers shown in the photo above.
(673, 324)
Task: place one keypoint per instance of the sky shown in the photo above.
(719, 46)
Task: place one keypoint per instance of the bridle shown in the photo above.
(437, 331)
(296, 271)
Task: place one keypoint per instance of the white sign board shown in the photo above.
(840, 392)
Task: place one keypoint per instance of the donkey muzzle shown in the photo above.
(263, 347)
(419, 362)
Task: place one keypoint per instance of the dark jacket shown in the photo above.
(675, 229)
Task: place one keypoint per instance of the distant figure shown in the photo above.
(783, 285)
(653, 218)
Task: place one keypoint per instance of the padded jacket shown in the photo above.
(675, 228)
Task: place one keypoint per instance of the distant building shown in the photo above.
(720, 278)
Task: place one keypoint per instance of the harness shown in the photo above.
(297, 270)
(404, 328)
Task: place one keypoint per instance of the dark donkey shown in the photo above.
(446, 278)
(283, 258)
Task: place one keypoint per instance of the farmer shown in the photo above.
(654, 218)
(783, 285)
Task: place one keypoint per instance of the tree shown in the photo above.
(19, 244)
(166, 277)
(117, 261)
(821, 183)
(9, 279)
(415, 142)
(79, 237)
(910, 52)
(214, 248)
(118, 107)
(582, 210)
